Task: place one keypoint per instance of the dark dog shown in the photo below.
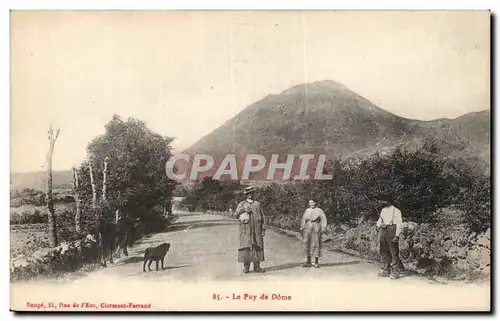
(155, 254)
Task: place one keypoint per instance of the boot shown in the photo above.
(395, 274)
(383, 273)
(316, 263)
(308, 263)
(257, 268)
(246, 267)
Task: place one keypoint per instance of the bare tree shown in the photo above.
(76, 194)
(94, 192)
(48, 196)
(104, 174)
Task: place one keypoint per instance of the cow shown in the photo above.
(110, 235)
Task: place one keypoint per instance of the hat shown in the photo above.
(249, 190)
(388, 197)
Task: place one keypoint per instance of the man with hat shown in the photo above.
(253, 224)
(390, 224)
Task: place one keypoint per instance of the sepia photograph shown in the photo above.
(279, 161)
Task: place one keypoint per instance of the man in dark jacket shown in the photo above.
(253, 224)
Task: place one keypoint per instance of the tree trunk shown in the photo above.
(76, 193)
(104, 174)
(48, 196)
(94, 193)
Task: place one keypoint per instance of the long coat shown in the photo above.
(251, 232)
(312, 226)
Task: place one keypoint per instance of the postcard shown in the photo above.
(250, 161)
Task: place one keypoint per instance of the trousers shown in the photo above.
(389, 250)
(312, 239)
(254, 254)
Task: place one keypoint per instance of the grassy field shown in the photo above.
(42, 209)
(28, 235)
(26, 239)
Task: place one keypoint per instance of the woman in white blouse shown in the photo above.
(312, 227)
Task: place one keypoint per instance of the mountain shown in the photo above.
(320, 117)
(327, 117)
(473, 129)
(37, 180)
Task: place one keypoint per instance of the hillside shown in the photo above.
(472, 129)
(321, 117)
(37, 180)
(327, 117)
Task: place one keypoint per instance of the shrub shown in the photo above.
(27, 196)
(423, 181)
(211, 195)
(475, 200)
(29, 217)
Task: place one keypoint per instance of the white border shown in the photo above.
(181, 5)
(257, 4)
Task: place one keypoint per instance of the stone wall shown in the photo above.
(451, 252)
(67, 257)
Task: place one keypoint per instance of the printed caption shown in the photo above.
(252, 297)
(85, 305)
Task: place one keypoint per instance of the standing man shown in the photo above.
(390, 223)
(253, 224)
(312, 227)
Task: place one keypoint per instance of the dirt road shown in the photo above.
(204, 248)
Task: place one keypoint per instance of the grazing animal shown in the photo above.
(111, 236)
(105, 235)
(156, 254)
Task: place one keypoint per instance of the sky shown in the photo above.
(186, 73)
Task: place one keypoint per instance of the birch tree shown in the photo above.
(48, 195)
(76, 193)
(137, 183)
(92, 184)
(104, 173)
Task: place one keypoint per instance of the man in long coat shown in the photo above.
(253, 224)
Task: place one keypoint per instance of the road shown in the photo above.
(204, 251)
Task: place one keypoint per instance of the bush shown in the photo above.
(64, 198)
(422, 181)
(211, 195)
(27, 196)
(475, 200)
(29, 217)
